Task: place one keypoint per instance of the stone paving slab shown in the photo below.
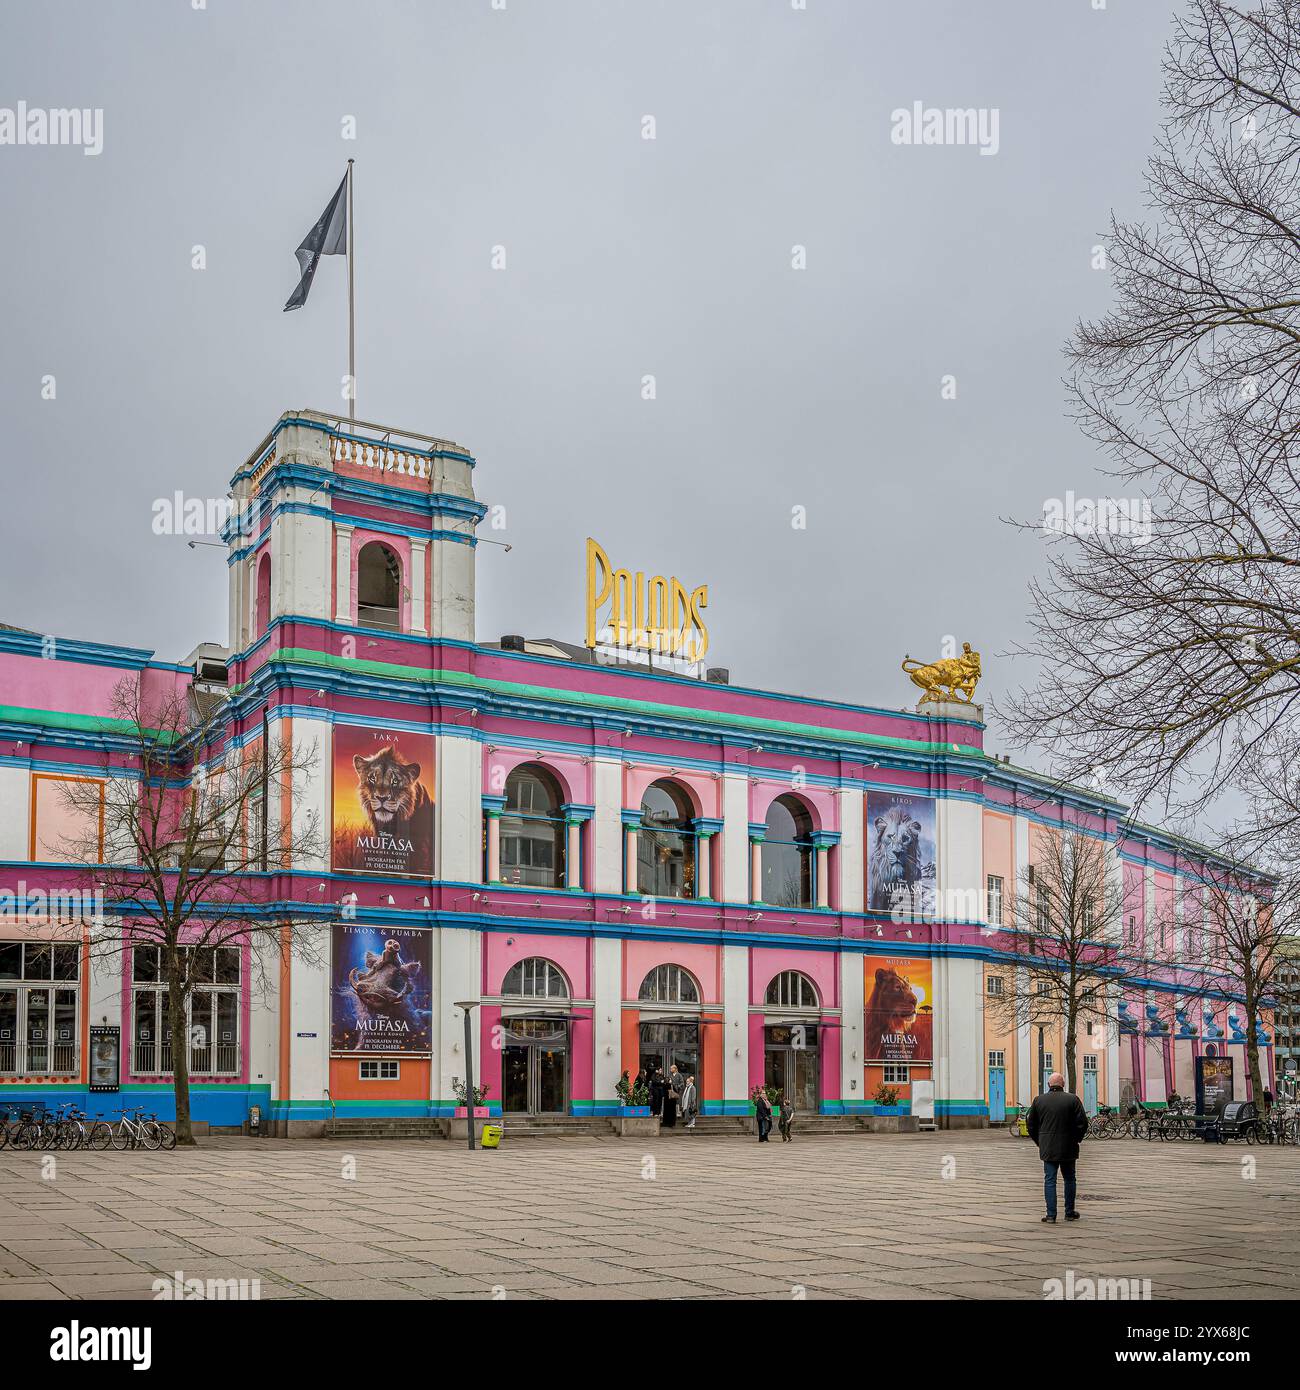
(861, 1217)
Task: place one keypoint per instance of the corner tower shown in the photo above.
(338, 523)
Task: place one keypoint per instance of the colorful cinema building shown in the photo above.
(619, 865)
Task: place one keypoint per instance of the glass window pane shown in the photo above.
(227, 965)
(11, 960)
(38, 960)
(144, 965)
(67, 962)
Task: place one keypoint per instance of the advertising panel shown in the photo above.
(900, 841)
(899, 1009)
(383, 802)
(381, 996)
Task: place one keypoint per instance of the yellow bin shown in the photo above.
(492, 1136)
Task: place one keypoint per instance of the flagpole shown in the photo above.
(352, 326)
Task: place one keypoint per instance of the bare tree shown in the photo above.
(1169, 652)
(1250, 934)
(1062, 940)
(182, 839)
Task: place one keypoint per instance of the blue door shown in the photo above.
(997, 1096)
(1090, 1092)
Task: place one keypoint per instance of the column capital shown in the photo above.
(825, 839)
(493, 805)
(631, 819)
(577, 814)
(704, 826)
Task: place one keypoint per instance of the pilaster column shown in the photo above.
(631, 825)
(343, 574)
(575, 817)
(823, 842)
(419, 556)
(492, 808)
(757, 834)
(705, 829)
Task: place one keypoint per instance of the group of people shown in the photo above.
(784, 1116)
(671, 1095)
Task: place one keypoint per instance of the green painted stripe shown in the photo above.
(82, 723)
(388, 671)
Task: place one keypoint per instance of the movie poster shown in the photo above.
(381, 989)
(383, 802)
(899, 1010)
(901, 856)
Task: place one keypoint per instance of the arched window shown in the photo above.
(379, 587)
(788, 854)
(262, 614)
(665, 856)
(532, 830)
(535, 978)
(792, 990)
(669, 984)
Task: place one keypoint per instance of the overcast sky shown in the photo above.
(522, 127)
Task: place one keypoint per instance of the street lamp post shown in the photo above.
(467, 1005)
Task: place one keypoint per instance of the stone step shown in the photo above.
(412, 1128)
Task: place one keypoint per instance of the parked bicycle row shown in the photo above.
(65, 1127)
(1240, 1121)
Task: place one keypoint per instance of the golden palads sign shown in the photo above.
(651, 615)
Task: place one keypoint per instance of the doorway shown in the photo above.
(997, 1095)
(672, 1044)
(792, 1063)
(535, 1067)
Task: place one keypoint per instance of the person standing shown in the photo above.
(657, 1089)
(672, 1091)
(786, 1118)
(690, 1104)
(1057, 1123)
(763, 1112)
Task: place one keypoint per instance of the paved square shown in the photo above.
(948, 1215)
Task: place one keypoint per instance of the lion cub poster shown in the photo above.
(383, 801)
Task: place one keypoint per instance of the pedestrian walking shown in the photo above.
(763, 1112)
(1057, 1123)
(672, 1095)
(785, 1118)
(690, 1103)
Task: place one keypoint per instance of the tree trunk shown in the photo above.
(180, 1058)
(1070, 1060)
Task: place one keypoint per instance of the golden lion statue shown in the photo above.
(953, 678)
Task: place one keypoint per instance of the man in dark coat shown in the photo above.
(763, 1113)
(1057, 1122)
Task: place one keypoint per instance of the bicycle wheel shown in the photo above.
(122, 1137)
(100, 1136)
(23, 1137)
(149, 1136)
(168, 1136)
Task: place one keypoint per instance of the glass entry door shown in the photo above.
(535, 1067)
(792, 1064)
(665, 1045)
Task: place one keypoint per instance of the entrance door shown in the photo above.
(1090, 1092)
(535, 1067)
(665, 1045)
(997, 1095)
(792, 1064)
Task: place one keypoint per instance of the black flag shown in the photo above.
(329, 237)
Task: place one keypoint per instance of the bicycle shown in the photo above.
(127, 1133)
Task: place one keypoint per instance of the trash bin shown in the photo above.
(492, 1136)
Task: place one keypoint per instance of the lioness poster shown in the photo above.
(899, 1009)
(900, 855)
(383, 801)
(382, 992)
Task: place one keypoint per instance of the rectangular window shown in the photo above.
(380, 1070)
(39, 1013)
(995, 984)
(895, 1074)
(1090, 1061)
(995, 900)
(1049, 1062)
(212, 1012)
(998, 1058)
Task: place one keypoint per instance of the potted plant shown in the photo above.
(889, 1116)
(632, 1100)
(462, 1109)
